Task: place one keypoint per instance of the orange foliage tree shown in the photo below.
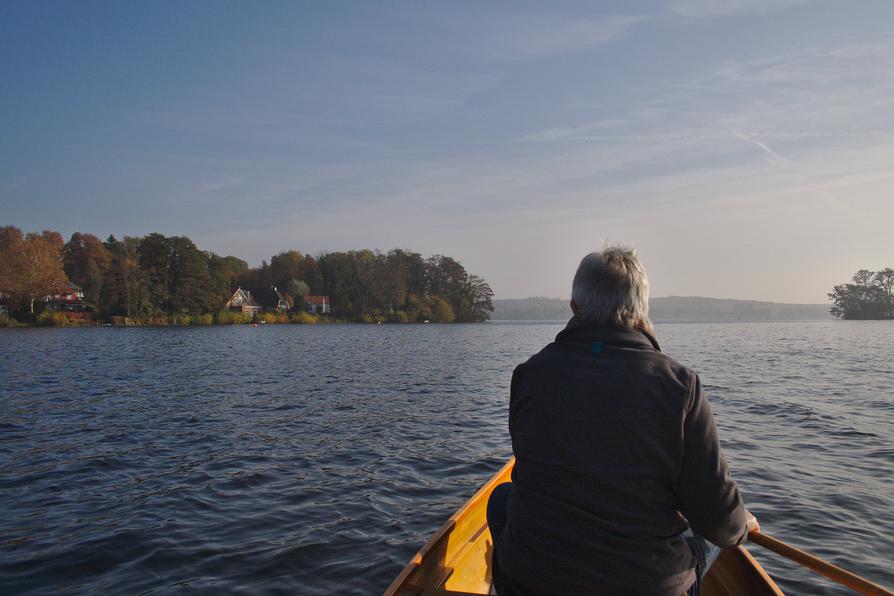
(31, 265)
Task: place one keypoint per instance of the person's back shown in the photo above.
(614, 445)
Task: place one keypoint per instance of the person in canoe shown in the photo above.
(620, 485)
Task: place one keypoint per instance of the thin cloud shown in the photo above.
(716, 8)
(762, 146)
(535, 38)
(219, 184)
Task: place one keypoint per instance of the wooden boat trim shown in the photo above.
(414, 564)
(760, 571)
(737, 572)
(440, 592)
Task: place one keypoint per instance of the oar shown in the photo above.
(833, 572)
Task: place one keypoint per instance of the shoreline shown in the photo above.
(202, 321)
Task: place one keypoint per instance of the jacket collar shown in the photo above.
(614, 335)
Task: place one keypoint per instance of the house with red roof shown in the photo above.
(69, 298)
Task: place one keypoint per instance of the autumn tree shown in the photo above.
(30, 266)
(257, 277)
(438, 310)
(444, 276)
(10, 237)
(190, 289)
(297, 290)
(338, 273)
(292, 266)
(478, 301)
(364, 279)
(410, 268)
(85, 261)
(125, 288)
(469, 296)
(223, 273)
(390, 284)
(155, 252)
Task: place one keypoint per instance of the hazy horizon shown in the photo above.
(669, 296)
(745, 147)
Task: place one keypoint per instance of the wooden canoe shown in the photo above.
(457, 559)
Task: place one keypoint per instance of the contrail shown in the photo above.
(762, 146)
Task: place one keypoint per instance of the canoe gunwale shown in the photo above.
(415, 563)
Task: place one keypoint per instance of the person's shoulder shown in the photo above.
(674, 364)
(682, 373)
(550, 353)
(540, 360)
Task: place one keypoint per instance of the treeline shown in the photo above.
(157, 275)
(870, 296)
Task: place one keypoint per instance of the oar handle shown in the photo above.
(833, 572)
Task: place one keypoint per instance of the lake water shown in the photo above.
(317, 459)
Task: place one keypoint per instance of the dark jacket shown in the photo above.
(616, 455)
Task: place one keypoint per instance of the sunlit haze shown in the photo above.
(745, 147)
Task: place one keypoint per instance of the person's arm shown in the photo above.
(707, 496)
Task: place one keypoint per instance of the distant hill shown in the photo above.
(694, 308)
(671, 308)
(527, 309)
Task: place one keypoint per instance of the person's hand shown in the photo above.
(751, 524)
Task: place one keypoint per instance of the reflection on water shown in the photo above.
(319, 458)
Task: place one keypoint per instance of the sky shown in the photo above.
(744, 147)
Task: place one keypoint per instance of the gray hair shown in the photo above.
(611, 288)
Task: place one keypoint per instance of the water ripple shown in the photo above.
(316, 459)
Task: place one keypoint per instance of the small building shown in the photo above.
(70, 298)
(317, 304)
(243, 301)
(255, 300)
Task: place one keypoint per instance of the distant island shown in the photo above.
(671, 308)
(168, 280)
(870, 296)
